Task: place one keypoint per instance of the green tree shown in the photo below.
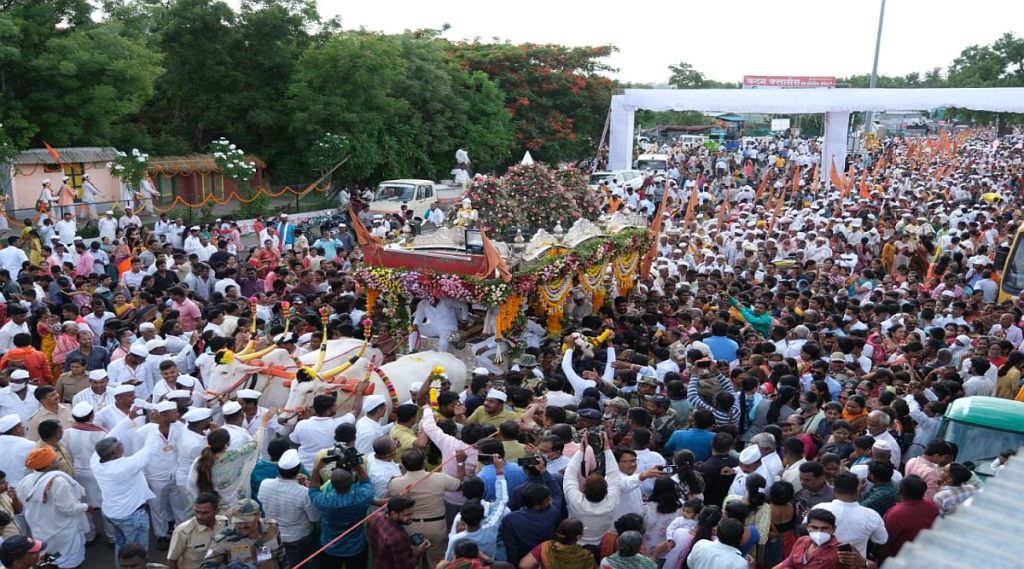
(685, 76)
(557, 95)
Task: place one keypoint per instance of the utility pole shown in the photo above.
(869, 119)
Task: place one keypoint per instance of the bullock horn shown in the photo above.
(324, 314)
(351, 361)
(254, 355)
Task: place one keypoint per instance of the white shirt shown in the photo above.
(96, 322)
(288, 502)
(597, 517)
(66, 231)
(55, 509)
(8, 331)
(11, 259)
(856, 524)
(630, 496)
(163, 463)
(645, 460)
(190, 446)
(896, 452)
(707, 554)
(559, 399)
(11, 403)
(381, 472)
(367, 431)
(239, 436)
(110, 416)
(107, 227)
(315, 434)
(82, 445)
(13, 452)
(193, 245)
(121, 481)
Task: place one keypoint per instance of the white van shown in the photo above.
(418, 195)
(652, 163)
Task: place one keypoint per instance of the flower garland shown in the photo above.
(553, 297)
(372, 295)
(592, 281)
(624, 267)
(507, 314)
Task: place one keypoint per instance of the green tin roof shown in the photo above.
(992, 412)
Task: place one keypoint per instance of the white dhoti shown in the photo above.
(442, 334)
(484, 354)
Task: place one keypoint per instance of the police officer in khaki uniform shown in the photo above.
(428, 513)
(247, 540)
(191, 538)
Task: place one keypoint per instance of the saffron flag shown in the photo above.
(815, 181)
(53, 152)
(496, 266)
(761, 187)
(864, 192)
(691, 207)
(838, 183)
(659, 216)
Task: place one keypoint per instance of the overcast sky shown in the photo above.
(724, 39)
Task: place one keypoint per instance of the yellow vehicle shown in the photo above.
(1011, 279)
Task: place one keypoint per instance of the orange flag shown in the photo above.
(691, 208)
(652, 252)
(864, 193)
(496, 266)
(722, 209)
(53, 152)
(363, 236)
(940, 172)
(815, 181)
(780, 201)
(836, 177)
(762, 186)
(851, 179)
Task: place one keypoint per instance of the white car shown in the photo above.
(634, 178)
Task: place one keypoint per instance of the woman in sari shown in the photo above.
(759, 515)
(561, 552)
(122, 258)
(122, 308)
(66, 343)
(227, 472)
(33, 247)
(47, 328)
(855, 412)
(628, 556)
(267, 259)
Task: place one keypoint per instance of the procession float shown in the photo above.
(507, 251)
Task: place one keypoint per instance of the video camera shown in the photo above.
(345, 457)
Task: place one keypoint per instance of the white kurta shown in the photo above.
(82, 445)
(60, 521)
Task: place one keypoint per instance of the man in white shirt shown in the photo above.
(16, 325)
(18, 397)
(437, 319)
(723, 553)
(381, 465)
(129, 219)
(12, 257)
(191, 443)
(317, 433)
(67, 228)
(168, 505)
(232, 411)
(596, 515)
(287, 501)
(98, 317)
(124, 488)
(368, 427)
(878, 428)
(14, 448)
(107, 226)
(192, 242)
(855, 524)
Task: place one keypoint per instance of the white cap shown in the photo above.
(178, 394)
(109, 212)
(97, 375)
(165, 406)
(46, 180)
(20, 374)
(962, 339)
(231, 407)
(143, 404)
(194, 228)
(883, 446)
(123, 388)
(197, 414)
(146, 326)
(81, 409)
(139, 350)
(372, 402)
(185, 380)
(495, 394)
(156, 343)
(248, 394)
(750, 455)
(481, 371)
(289, 460)
(416, 386)
(8, 422)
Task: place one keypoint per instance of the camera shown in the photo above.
(48, 560)
(596, 442)
(668, 469)
(417, 538)
(529, 461)
(345, 457)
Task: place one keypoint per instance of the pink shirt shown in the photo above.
(448, 444)
(83, 267)
(189, 314)
(928, 471)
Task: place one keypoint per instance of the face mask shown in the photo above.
(18, 386)
(820, 537)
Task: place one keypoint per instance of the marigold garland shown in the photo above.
(507, 313)
(624, 266)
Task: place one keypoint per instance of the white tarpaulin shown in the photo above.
(779, 125)
(837, 102)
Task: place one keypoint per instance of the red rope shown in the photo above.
(378, 510)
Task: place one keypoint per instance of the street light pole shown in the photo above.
(870, 127)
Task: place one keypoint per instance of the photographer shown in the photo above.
(20, 552)
(340, 510)
(331, 457)
(537, 473)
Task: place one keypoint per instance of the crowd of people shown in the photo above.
(769, 396)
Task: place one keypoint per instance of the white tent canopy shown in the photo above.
(836, 104)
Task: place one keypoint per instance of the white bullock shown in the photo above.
(402, 372)
(231, 377)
